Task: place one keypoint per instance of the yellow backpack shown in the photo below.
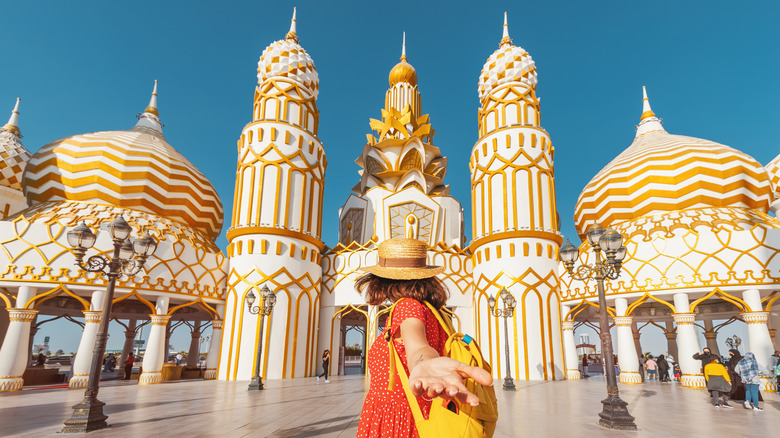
(451, 419)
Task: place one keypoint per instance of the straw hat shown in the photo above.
(403, 259)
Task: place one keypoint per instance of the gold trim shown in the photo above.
(243, 231)
(519, 234)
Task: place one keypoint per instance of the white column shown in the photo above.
(759, 340)
(774, 326)
(687, 344)
(193, 355)
(126, 348)
(212, 360)
(83, 363)
(626, 350)
(15, 350)
(155, 356)
(571, 359)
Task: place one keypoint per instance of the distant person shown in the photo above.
(652, 368)
(585, 366)
(718, 382)
(129, 365)
(747, 368)
(737, 387)
(677, 372)
(776, 373)
(775, 358)
(40, 360)
(663, 368)
(642, 360)
(325, 366)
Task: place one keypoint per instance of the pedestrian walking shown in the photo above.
(652, 368)
(129, 365)
(676, 371)
(747, 368)
(401, 276)
(325, 366)
(585, 366)
(718, 382)
(663, 368)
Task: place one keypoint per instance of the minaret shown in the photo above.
(276, 224)
(12, 163)
(514, 218)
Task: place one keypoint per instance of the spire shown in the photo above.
(13, 122)
(649, 122)
(403, 48)
(152, 108)
(292, 35)
(505, 40)
(150, 118)
(646, 111)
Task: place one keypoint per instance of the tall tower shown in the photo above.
(514, 218)
(276, 226)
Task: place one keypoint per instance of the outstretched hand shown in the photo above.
(443, 377)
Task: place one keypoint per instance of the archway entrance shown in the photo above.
(354, 345)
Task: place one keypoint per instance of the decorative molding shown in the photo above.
(755, 317)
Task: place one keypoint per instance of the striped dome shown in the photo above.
(663, 172)
(287, 59)
(135, 169)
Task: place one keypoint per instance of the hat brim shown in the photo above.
(404, 273)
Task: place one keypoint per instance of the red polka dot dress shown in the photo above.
(386, 413)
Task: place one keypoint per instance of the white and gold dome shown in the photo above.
(508, 64)
(13, 155)
(662, 172)
(773, 170)
(135, 169)
(287, 59)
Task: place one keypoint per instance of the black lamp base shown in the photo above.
(256, 384)
(615, 414)
(87, 416)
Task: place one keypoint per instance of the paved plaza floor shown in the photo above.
(305, 408)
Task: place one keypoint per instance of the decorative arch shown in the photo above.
(584, 304)
(139, 297)
(644, 298)
(349, 308)
(770, 299)
(51, 293)
(739, 303)
(200, 303)
(411, 160)
(6, 296)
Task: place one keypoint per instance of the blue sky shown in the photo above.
(710, 68)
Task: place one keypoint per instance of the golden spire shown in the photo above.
(292, 35)
(403, 71)
(646, 111)
(505, 40)
(152, 108)
(13, 122)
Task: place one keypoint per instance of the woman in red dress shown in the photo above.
(402, 276)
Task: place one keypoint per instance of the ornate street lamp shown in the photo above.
(734, 342)
(615, 414)
(269, 299)
(88, 415)
(507, 312)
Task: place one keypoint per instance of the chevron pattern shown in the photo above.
(507, 64)
(14, 157)
(287, 59)
(134, 169)
(663, 172)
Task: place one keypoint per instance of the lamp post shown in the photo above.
(615, 414)
(507, 312)
(734, 342)
(269, 299)
(88, 415)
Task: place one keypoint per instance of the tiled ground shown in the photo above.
(305, 408)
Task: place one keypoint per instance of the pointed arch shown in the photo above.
(741, 304)
(585, 303)
(139, 297)
(411, 160)
(770, 299)
(200, 303)
(51, 293)
(644, 298)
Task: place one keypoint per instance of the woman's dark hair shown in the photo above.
(379, 290)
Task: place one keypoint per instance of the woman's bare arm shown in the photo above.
(431, 375)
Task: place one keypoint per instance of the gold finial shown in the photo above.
(647, 112)
(13, 122)
(152, 108)
(403, 48)
(292, 35)
(505, 40)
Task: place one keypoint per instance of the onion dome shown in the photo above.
(661, 172)
(403, 71)
(13, 155)
(287, 59)
(509, 63)
(134, 169)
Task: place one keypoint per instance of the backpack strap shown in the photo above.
(395, 362)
